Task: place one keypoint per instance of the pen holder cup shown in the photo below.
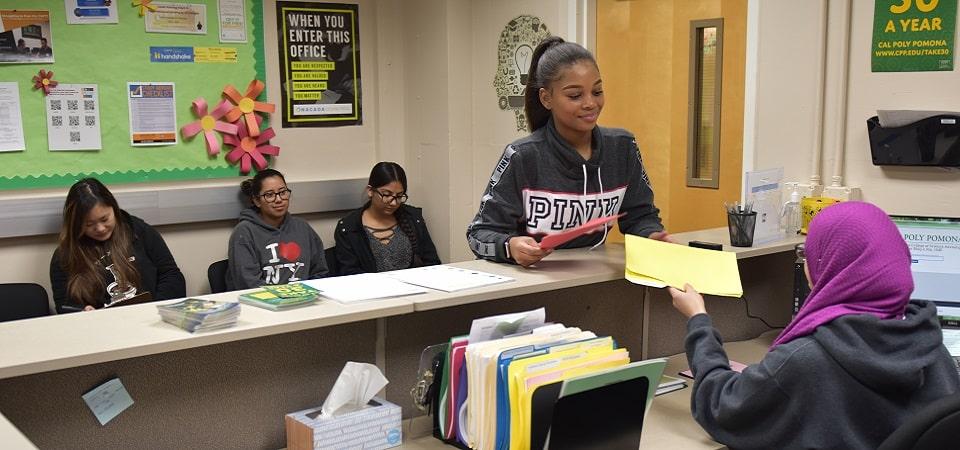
(741, 226)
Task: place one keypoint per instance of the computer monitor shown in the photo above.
(935, 255)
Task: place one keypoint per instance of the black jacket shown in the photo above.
(847, 386)
(353, 247)
(159, 273)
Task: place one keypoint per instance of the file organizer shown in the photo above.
(934, 141)
(604, 407)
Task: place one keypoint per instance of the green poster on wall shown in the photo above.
(913, 35)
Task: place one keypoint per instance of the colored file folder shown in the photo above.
(603, 409)
(658, 264)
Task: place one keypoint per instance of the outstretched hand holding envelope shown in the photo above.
(659, 264)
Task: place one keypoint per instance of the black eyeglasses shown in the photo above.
(387, 198)
(271, 196)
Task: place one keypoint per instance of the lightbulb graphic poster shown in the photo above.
(320, 64)
(514, 52)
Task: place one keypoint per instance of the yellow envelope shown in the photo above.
(658, 264)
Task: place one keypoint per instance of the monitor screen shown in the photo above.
(935, 255)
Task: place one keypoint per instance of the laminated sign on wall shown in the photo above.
(913, 35)
(320, 64)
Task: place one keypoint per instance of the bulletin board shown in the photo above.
(110, 55)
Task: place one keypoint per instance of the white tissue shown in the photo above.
(356, 385)
(898, 118)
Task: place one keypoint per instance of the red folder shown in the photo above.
(555, 240)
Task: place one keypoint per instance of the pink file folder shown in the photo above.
(555, 240)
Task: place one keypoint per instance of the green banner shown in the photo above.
(913, 35)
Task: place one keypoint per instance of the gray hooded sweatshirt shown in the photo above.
(261, 254)
(542, 186)
(847, 386)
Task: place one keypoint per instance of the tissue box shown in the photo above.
(375, 427)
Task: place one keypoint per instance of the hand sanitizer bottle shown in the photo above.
(790, 217)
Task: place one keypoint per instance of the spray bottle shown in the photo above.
(790, 217)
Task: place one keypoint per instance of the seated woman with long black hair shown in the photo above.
(385, 233)
(106, 255)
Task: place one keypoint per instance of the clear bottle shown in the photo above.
(790, 217)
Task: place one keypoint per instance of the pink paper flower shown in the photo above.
(208, 123)
(44, 80)
(249, 149)
(246, 105)
(144, 6)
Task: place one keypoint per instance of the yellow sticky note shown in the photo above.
(655, 263)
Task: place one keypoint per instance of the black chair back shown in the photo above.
(333, 267)
(217, 276)
(23, 301)
(932, 428)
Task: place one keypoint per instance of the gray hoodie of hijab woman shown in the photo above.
(261, 254)
(541, 185)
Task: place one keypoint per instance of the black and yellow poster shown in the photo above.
(320, 59)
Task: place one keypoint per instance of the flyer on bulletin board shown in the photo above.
(183, 18)
(88, 12)
(153, 114)
(320, 64)
(11, 121)
(25, 37)
(73, 117)
(233, 21)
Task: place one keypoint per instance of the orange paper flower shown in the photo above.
(144, 6)
(208, 123)
(249, 149)
(44, 80)
(246, 105)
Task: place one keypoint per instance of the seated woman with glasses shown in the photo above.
(386, 233)
(106, 255)
(269, 246)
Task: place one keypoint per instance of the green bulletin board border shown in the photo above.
(153, 175)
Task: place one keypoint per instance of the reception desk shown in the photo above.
(231, 388)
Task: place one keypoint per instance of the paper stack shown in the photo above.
(195, 314)
(281, 297)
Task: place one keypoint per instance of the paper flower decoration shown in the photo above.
(44, 80)
(246, 105)
(249, 149)
(208, 123)
(144, 6)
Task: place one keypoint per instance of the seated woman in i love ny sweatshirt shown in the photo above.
(269, 246)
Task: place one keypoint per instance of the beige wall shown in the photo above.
(787, 76)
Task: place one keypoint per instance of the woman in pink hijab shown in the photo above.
(857, 360)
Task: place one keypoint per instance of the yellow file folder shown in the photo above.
(658, 264)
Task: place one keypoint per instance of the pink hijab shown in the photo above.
(858, 264)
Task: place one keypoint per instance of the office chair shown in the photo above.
(217, 276)
(22, 301)
(932, 428)
(333, 266)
